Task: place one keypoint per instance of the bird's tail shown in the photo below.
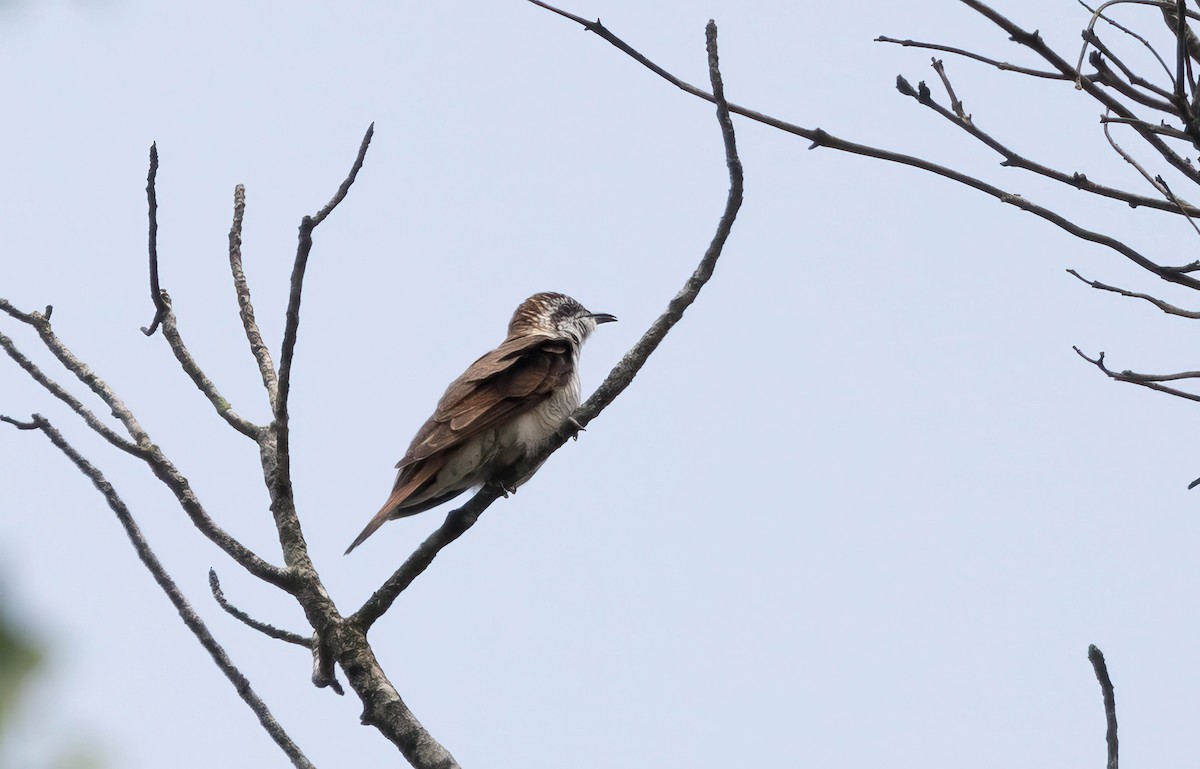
(379, 519)
(406, 487)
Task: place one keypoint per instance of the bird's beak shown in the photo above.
(603, 317)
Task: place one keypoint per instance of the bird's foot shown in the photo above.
(578, 427)
(505, 489)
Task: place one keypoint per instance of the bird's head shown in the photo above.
(557, 315)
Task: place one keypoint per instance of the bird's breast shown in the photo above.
(530, 431)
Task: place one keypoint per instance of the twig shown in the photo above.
(1000, 65)
(1013, 159)
(1160, 128)
(303, 248)
(160, 307)
(1131, 33)
(1096, 657)
(1170, 309)
(1156, 182)
(955, 104)
(1150, 381)
(199, 378)
(262, 354)
(144, 447)
(57, 390)
(189, 616)
(287, 636)
(458, 521)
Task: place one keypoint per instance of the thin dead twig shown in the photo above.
(1096, 657)
(160, 308)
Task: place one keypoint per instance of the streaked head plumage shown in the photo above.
(555, 314)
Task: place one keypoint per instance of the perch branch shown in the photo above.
(458, 521)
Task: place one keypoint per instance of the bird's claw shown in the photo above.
(578, 427)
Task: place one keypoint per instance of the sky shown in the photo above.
(863, 502)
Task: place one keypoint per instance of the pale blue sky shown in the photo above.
(863, 503)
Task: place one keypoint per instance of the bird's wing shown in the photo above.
(513, 378)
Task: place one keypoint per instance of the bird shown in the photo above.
(501, 411)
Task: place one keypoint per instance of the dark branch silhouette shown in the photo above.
(160, 307)
(1096, 657)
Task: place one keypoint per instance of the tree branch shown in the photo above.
(190, 618)
(287, 636)
(142, 447)
(303, 248)
(1096, 657)
(1150, 381)
(458, 521)
(199, 378)
(1000, 65)
(1013, 159)
(160, 308)
(262, 354)
(1170, 309)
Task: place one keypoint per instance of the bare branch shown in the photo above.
(199, 378)
(1154, 52)
(142, 446)
(1132, 77)
(57, 390)
(1034, 42)
(458, 521)
(262, 354)
(214, 584)
(292, 324)
(1013, 159)
(1000, 65)
(160, 307)
(1160, 128)
(955, 104)
(1170, 309)
(1157, 182)
(1150, 381)
(1096, 657)
(189, 616)
(456, 524)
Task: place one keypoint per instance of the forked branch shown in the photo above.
(154, 566)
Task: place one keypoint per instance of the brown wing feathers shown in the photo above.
(515, 377)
